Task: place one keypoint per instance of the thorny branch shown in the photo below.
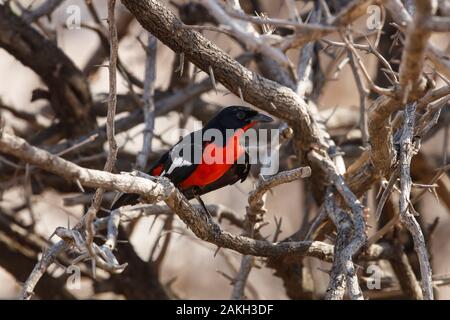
(110, 130)
(254, 217)
(407, 149)
(152, 191)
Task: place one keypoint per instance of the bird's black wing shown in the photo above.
(176, 164)
(238, 172)
(183, 158)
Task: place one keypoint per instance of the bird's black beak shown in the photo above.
(259, 117)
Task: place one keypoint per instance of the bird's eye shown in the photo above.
(240, 115)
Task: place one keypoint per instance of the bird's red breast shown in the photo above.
(156, 171)
(216, 161)
(208, 171)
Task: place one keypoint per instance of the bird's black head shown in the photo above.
(237, 117)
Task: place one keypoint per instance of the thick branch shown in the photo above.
(267, 95)
(417, 36)
(407, 150)
(164, 190)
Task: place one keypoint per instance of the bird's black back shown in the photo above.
(222, 121)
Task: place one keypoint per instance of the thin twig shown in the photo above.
(386, 193)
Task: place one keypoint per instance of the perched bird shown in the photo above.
(197, 177)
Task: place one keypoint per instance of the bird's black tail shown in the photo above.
(238, 172)
(125, 200)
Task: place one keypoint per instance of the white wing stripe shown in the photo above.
(177, 163)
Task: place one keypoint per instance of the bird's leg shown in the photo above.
(206, 211)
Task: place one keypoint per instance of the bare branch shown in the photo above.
(344, 267)
(40, 269)
(253, 43)
(255, 212)
(162, 189)
(403, 18)
(407, 150)
(240, 280)
(110, 130)
(283, 23)
(351, 12)
(255, 199)
(415, 47)
(149, 105)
